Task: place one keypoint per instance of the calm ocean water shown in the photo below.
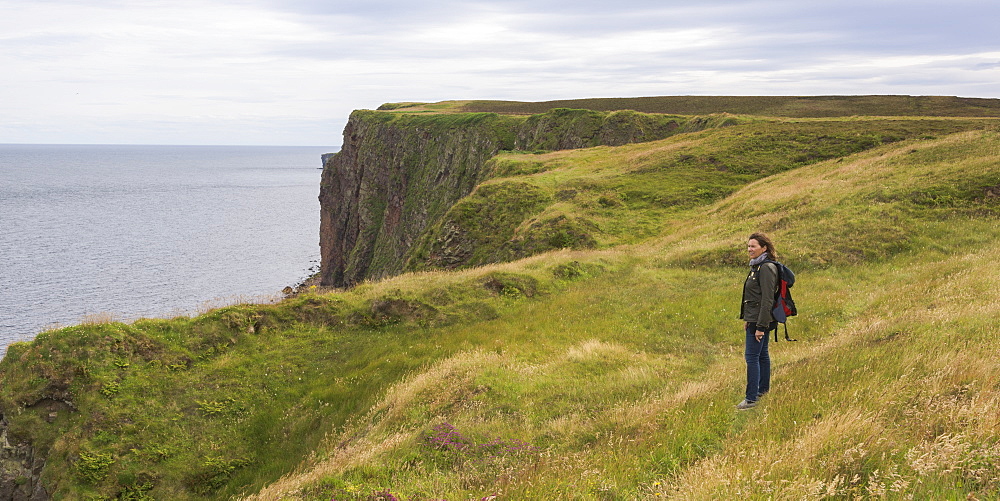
(150, 231)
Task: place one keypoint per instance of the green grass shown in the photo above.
(609, 371)
(604, 197)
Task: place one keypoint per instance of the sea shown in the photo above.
(120, 232)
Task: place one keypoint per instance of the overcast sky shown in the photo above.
(290, 71)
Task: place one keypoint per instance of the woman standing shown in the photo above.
(758, 299)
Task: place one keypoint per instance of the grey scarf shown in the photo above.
(759, 259)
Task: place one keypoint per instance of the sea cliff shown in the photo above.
(398, 173)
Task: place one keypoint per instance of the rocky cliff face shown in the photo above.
(393, 175)
(20, 469)
(396, 174)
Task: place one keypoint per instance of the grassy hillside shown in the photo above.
(608, 371)
(620, 384)
(603, 197)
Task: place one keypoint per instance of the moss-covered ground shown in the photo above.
(599, 369)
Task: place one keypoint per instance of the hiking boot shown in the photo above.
(745, 404)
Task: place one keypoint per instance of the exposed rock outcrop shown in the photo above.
(393, 175)
(20, 469)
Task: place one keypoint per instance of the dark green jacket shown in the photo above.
(757, 305)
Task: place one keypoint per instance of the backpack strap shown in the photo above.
(786, 333)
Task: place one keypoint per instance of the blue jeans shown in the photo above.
(758, 364)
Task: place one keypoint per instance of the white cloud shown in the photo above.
(290, 71)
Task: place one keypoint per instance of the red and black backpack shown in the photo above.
(784, 305)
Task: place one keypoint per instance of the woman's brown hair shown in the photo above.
(766, 243)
